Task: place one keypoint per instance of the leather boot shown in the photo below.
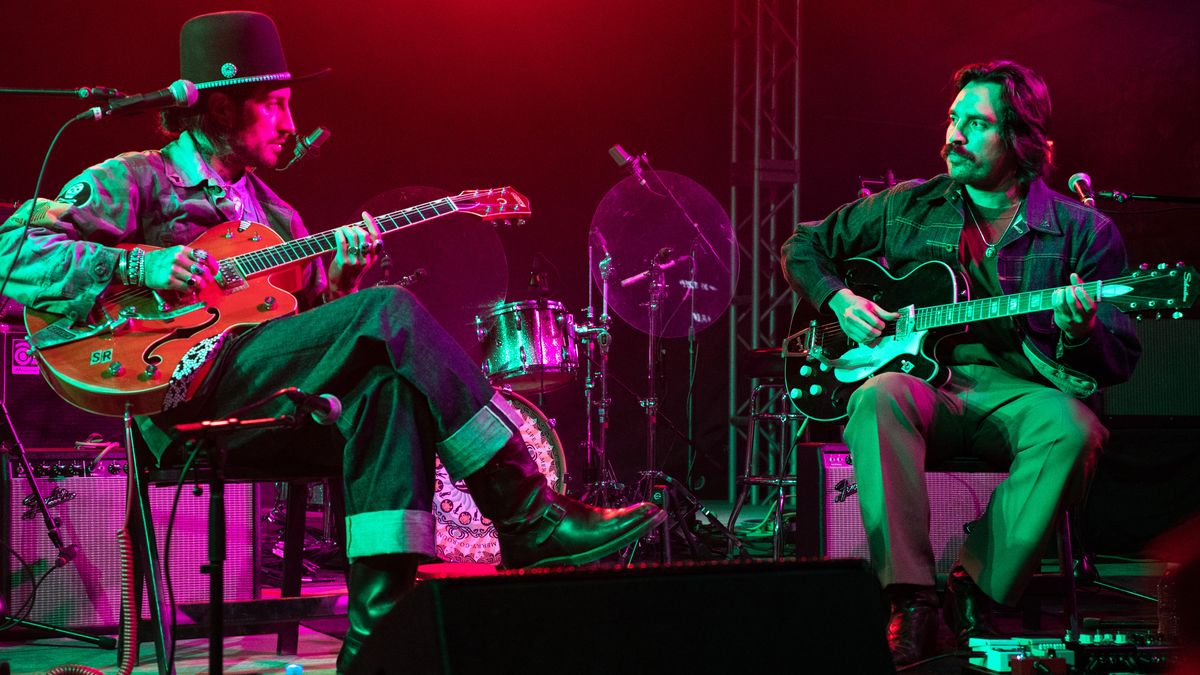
(538, 527)
(375, 584)
(912, 627)
(968, 609)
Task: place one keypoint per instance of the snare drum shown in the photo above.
(463, 534)
(529, 346)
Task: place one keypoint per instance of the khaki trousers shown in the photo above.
(1047, 439)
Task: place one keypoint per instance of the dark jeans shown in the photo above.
(407, 390)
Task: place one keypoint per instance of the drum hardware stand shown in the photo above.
(603, 489)
(655, 482)
(10, 445)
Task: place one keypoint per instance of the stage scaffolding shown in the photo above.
(764, 201)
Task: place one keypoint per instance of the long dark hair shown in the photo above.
(1025, 114)
(208, 134)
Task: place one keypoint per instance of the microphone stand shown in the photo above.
(82, 93)
(14, 452)
(1122, 197)
(204, 437)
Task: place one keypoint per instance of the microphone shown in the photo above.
(180, 93)
(1081, 184)
(629, 162)
(324, 408)
(306, 144)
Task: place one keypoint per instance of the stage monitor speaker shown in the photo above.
(820, 617)
(88, 498)
(955, 499)
(1163, 383)
(41, 418)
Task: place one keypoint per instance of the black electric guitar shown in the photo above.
(822, 367)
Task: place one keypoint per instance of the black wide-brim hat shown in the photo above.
(227, 49)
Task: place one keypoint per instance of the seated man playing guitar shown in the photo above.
(218, 330)
(993, 221)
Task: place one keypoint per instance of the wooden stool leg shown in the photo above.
(146, 561)
(293, 559)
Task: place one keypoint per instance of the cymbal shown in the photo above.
(455, 265)
(673, 226)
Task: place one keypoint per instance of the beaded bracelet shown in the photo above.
(137, 267)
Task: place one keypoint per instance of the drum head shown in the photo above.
(463, 534)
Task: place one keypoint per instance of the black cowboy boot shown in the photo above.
(912, 627)
(538, 527)
(968, 609)
(375, 584)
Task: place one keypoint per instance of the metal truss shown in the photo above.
(764, 198)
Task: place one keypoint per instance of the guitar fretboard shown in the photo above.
(937, 316)
(266, 259)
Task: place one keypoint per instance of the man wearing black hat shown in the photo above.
(408, 391)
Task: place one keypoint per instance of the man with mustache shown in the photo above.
(407, 389)
(992, 218)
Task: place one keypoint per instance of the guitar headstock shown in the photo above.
(1161, 288)
(504, 204)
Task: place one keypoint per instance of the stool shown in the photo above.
(760, 403)
(281, 615)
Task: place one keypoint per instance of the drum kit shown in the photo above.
(659, 252)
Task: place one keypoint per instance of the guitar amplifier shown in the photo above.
(41, 418)
(829, 523)
(1163, 384)
(88, 497)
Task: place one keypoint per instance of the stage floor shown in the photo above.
(321, 639)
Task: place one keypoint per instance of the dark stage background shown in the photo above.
(463, 95)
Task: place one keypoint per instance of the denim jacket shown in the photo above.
(161, 197)
(918, 221)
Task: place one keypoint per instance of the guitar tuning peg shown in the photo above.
(1162, 266)
(1179, 264)
(1143, 267)
(1177, 315)
(507, 222)
(520, 221)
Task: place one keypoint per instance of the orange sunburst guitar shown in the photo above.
(138, 337)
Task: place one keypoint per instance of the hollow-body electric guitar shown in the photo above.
(822, 367)
(128, 352)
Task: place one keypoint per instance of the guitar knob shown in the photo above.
(268, 304)
(149, 373)
(805, 370)
(824, 367)
(816, 390)
(115, 369)
(795, 393)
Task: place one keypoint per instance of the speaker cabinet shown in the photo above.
(41, 418)
(1163, 384)
(821, 617)
(88, 498)
(955, 499)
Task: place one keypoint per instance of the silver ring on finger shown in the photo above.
(352, 249)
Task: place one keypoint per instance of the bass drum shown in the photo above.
(463, 534)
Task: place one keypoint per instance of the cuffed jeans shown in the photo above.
(407, 389)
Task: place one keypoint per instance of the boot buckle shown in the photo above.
(555, 514)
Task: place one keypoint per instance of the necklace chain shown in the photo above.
(990, 251)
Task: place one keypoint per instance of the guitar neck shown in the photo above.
(938, 316)
(274, 257)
